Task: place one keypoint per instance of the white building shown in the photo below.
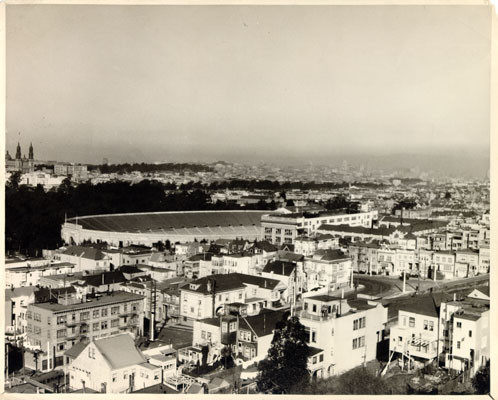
(344, 333)
(112, 365)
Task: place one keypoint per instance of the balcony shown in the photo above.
(314, 317)
(130, 313)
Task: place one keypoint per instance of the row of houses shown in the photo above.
(383, 259)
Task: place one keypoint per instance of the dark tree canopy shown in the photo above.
(480, 381)
(287, 361)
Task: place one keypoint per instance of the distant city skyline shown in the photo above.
(249, 84)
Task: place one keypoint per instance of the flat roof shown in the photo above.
(116, 297)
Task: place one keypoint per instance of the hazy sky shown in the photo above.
(247, 83)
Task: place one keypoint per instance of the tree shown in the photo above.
(480, 381)
(14, 180)
(287, 361)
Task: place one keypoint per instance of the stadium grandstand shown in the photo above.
(149, 228)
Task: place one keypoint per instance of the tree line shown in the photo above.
(33, 216)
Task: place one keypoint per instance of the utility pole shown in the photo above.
(404, 281)
(152, 308)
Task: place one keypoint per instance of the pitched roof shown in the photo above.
(265, 246)
(85, 252)
(20, 291)
(329, 255)
(120, 351)
(280, 267)
(76, 350)
(262, 324)
(105, 278)
(424, 305)
(290, 256)
(227, 282)
(129, 269)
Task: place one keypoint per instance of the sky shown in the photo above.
(247, 83)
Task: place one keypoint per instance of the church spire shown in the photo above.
(18, 152)
(31, 154)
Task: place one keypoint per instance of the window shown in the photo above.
(313, 336)
(192, 309)
(355, 344)
(458, 345)
(114, 310)
(321, 357)
(114, 377)
(209, 335)
(470, 333)
(203, 334)
(411, 322)
(240, 296)
(114, 323)
(104, 312)
(95, 326)
(103, 325)
(426, 325)
(314, 360)
(61, 333)
(37, 330)
(96, 313)
(305, 306)
(37, 317)
(60, 346)
(400, 339)
(314, 307)
(431, 326)
(459, 324)
(85, 316)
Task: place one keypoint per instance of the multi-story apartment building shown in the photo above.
(284, 228)
(343, 333)
(306, 245)
(54, 327)
(444, 263)
(364, 257)
(331, 269)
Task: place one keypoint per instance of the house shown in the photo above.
(131, 271)
(84, 258)
(205, 297)
(416, 336)
(32, 275)
(289, 273)
(465, 328)
(16, 306)
(342, 333)
(249, 337)
(103, 282)
(112, 365)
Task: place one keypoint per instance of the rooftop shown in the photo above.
(106, 299)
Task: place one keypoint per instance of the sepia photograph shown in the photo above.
(247, 198)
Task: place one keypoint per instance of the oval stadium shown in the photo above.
(176, 226)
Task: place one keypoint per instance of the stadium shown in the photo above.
(148, 228)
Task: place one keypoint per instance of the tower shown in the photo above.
(31, 154)
(18, 152)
